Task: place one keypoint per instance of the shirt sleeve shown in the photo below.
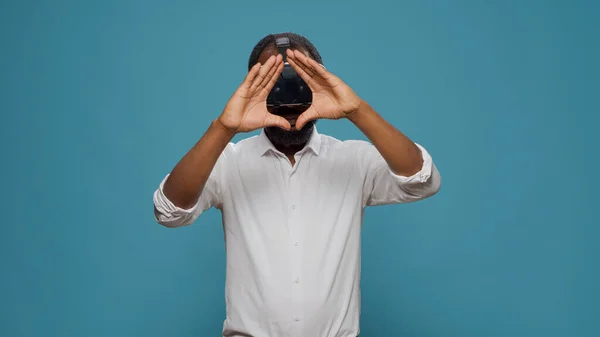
(168, 214)
(382, 186)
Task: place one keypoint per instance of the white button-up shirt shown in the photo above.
(293, 233)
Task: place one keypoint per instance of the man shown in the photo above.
(292, 199)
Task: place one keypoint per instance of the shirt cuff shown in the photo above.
(420, 177)
(166, 208)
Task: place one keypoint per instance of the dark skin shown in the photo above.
(334, 99)
(246, 111)
(291, 115)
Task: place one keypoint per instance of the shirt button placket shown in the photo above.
(296, 256)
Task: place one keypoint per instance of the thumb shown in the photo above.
(307, 116)
(274, 120)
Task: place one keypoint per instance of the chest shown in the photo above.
(269, 189)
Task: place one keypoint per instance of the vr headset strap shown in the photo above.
(283, 43)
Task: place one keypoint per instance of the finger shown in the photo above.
(262, 73)
(251, 75)
(307, 62)
(310, 114)
(298, 63)
(301, 72)
(269, 86)
(278, 121)
(268, 78)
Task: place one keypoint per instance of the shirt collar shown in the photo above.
(265, 145)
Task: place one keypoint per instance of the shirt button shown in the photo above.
(293, 206)
(297, 280)
(296, 244)
(297, 319)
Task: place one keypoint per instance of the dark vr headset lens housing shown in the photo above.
(290, 89)
(290, 92)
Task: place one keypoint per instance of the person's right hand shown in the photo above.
(247, 109)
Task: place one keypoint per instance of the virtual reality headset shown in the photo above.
(290, 90)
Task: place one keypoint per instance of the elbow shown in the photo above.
(171, 220)
(164, 219)
(168, 215)
(433, 185)
(424, 189)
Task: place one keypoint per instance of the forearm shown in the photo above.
(401, 154)
(186, 182)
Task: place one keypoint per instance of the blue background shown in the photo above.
(100, 99)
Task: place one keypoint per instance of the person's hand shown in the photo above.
(247, 109)
(332, 98)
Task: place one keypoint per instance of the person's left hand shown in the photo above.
(331, 97)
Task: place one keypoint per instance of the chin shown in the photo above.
(279, 136)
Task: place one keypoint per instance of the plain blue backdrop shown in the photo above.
(100, 99)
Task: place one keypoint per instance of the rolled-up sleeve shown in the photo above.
(168, 214)
(382, 186)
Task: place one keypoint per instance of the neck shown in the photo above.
(279, 139)
(289, 150)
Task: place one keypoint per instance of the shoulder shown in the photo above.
(351, 145)
(235, 150)
(245, 144)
